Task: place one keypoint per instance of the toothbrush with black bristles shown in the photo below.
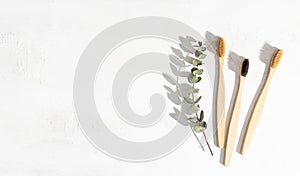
(271, 56)
(240, 66)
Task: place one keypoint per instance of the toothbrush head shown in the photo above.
(238, 63)
(215, 43)
(270, 55)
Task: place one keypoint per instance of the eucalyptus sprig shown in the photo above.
(184, 94)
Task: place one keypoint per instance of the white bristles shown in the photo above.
(266, 53)
(212, 42)
(235, 61)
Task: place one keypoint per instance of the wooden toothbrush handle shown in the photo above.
(232, 123)
(220, 110)
(254, 113)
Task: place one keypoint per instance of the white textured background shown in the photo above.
(41, 42)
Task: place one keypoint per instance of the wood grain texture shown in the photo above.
(232, 121)
(220, 107)
(254, 112)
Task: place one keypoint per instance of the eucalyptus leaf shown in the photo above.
(202, 48)
(203, 124)
(194, 109)
(196, 62)
(191, 90)
(201, 115)
(198, 72)
(202, 56)
(189, 100)
(176, 60)
(198, 79)
(197, 53)
(198, 99)
(191, 78)
(198, 128)
(169, 78)
(194, 69)
(195, 78)
(177, 52)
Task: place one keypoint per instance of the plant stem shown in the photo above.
(197, 139)
(206, 140)
(190, 126)
(198, 118)
(207, 144)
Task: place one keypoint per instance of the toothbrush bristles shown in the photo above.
(266, 53)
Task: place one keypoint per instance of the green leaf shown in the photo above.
(197, 79)
(189, 100)
(198, 99)
(191, 78)
(194, 69)
(202, 48)
(198, 72)
(196, 62)
(191, 90)
(201, 115)
(197, 53)
(202, 56)
(194, 109)
(203, 124)
(198, 128)
(200, 43)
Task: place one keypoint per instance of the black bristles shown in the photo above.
(245, 67)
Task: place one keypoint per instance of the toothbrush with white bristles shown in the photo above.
(271, 56)
(240, 66)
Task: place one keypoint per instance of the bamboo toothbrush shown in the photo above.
(271, 56)
(217, 46)
(240, 66)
